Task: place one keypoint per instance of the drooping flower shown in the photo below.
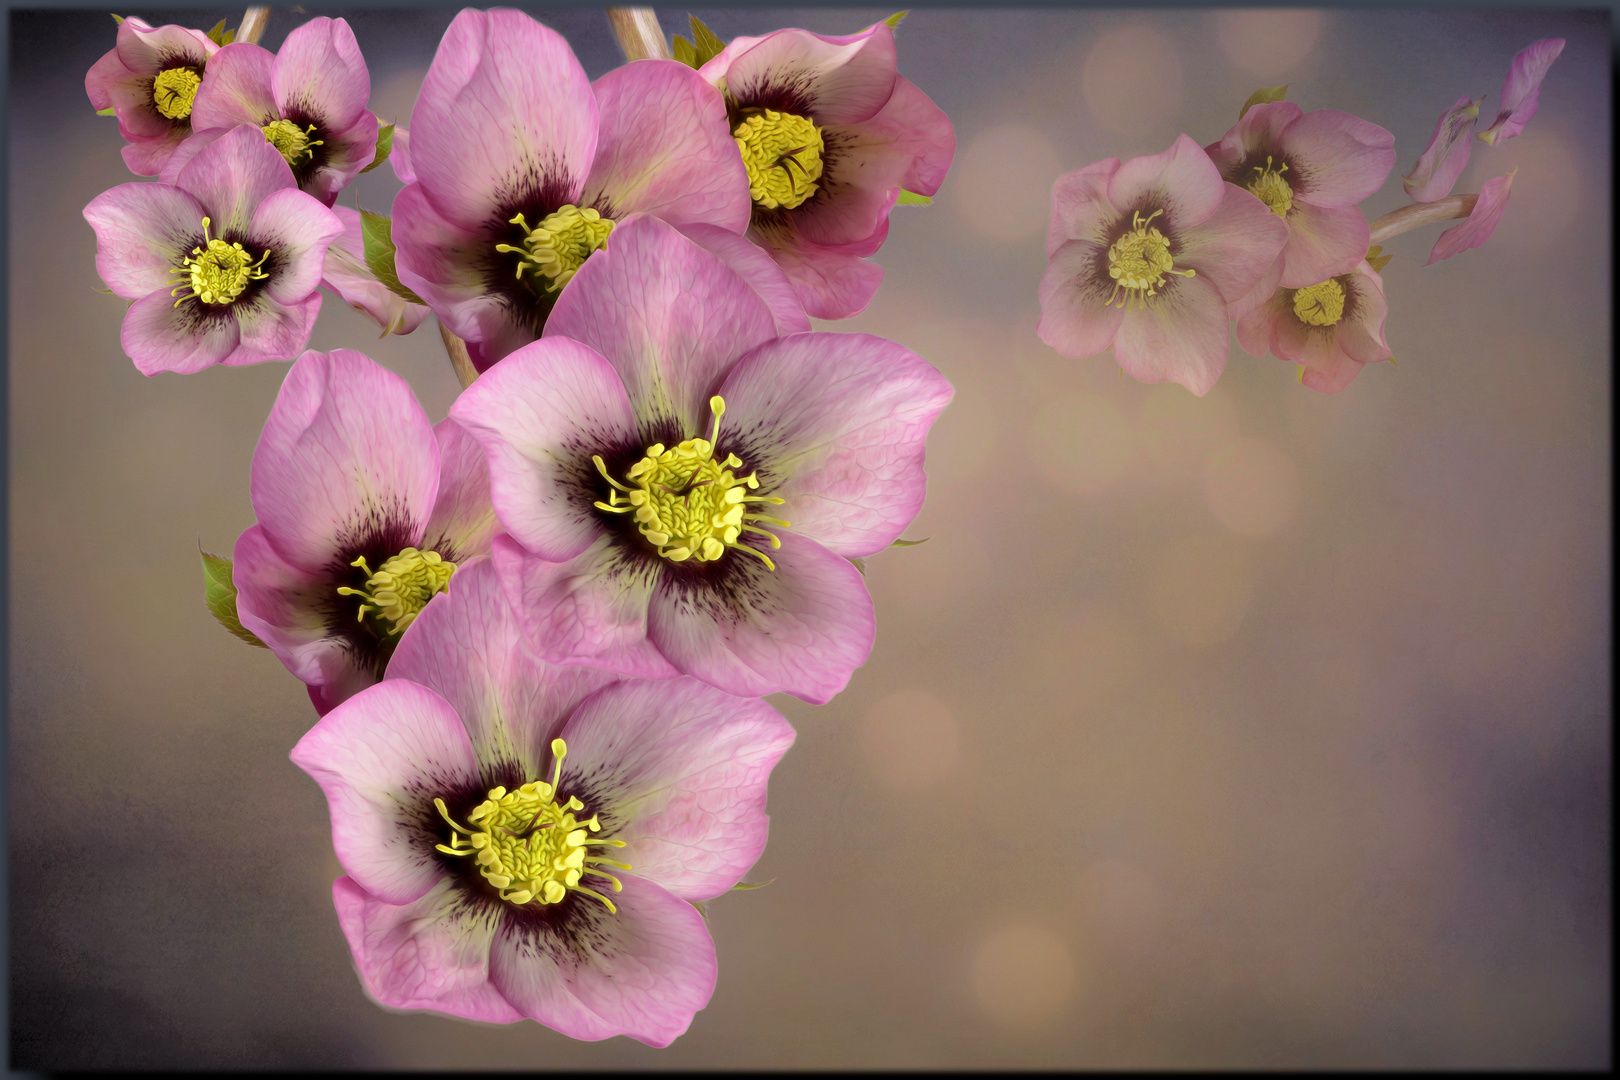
(1444, 159)
(830, 134)
(150, 80)
(365, 511)
(528, 840)
(309, 99)
(648, 454)
(1480, 223)
(1333, 328)
(518, 181)
(1146, 256)
(224, 265)
(347, 274)
(1310, 169)
(1521, 92)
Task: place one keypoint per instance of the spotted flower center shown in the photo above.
(1270, 188)
(216, 272)
(530, 846)
(1321, 304)
(782, 153)
(174, 90)
(1138, 262)
(556, 248)
(399, 589)
(688, 503)
(292, 141)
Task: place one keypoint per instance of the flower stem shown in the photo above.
(638, 32)
(1419, 214)
(253, 24)
(459, 360)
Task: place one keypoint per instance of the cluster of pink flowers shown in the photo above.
(536, 634)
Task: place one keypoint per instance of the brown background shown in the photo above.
(1263, 729)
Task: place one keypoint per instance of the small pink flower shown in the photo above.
(347, 274)
(151, 80)
(1444, 159)
(309, 99)
(1333, 328)
(526, 840)
(1145, 257)
(234, 240)
(1521, 93)
(830, 134)
(1480, 223)
(365, 511)
(649, 453)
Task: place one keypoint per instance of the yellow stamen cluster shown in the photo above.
(402, 586)
(217, 272)
(688, 504)
(290, 140)
(782, 153)
(1270, 188)
(531, 847)
(1138, 262)
(1321, 304)
(174, 90)
(558, 246)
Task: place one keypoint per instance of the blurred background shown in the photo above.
(1258, 730)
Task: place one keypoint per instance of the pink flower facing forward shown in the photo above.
(151, 80)
(648, 453)
(309, 99)
(1333, 328)
(518, 181)
(224, 265)
(347, 274)
(365, 512)
(1521, 93)
(830, 134)
(528, 840)
(1145, 257)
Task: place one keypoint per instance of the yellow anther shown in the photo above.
(402, 586)
(782, 154)
(174, 90)
(1139, 260)
(1321, 304)
(293, 142)
(216, 272)
(1270, 188)
(558, 246)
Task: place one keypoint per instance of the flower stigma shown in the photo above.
(174, 90)
(558, 246)
(782, 153)
(217, 272)
(689, 504)
(401, 587)
(1321, 304)
(530, 846)
(290, 140)
(1270, 188)
(1138, 262)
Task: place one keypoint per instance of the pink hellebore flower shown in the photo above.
(1310, 169)
(1333, 328)
(365, 512)
(151, 79)
(517, 181)
(528, 840)
(1145, 257)
(1444, 159)
(348, 275)
(1480, 223)
(640, 450)
(234, 239)
(1521, 93)
(309, 99)
(830, 134)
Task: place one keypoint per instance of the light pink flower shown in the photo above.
(1521, 93)
(151, 80)
(1444, 159)
(347, 274)
(309, 99)
(522, 168)
(831, 134)
(365, 511)
(1333, 328)
(1145, 257)
(1310, 169)
(528, 840)
(1480, 223)
(234, 240)
(645, 453)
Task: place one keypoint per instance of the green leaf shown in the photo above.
(894, 20)
(751, 884)
(1376, 260)
(705, 42)
(217, 34)
(1264, 96)
(119, 19)
(219, 590)
(684, 52)
(385, 146)
(378, 234)
(108, 111)
(911, 198)
(911, 543)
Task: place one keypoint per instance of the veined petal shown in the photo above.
(830, 282)
(1521, 93)
(1444, 159)
(1323, 242)
(1180, 337)
(270, 330)
(1341, 159)
(400, 156)
(298, 229)
(345, 272)
(320, 73)
(1269, 283)
(189, 147)
(1080, 206)
(237, 89)
(105, 76)
(757, 268)
(1257, 133)
(232, 176)
(1182, 181)
(348, 151)
(151, 49)
(1257, 325)
(444, 264)
(148, 156)
(834, 80)
(1077, 317)
(159, 336)
(1236, 245)
(142, 233)
(1480, 223)
(463, 520)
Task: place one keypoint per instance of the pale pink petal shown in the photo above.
(143, 231)
(147, 158)
(1257, 325)
(1444, 159)
(399, 155)
(443, 264)
(1182, 181)
(831, 282)
(161, 337)
(1338, 159)
(150, 49)
(1235, 247)
(757, 268)
(298, 229)
(1258, 296)
(463, 519)
(832, 80)
(345, 272)
(232, 176)
(190, 147)
(1480, 223)
(1080, 206)
(107, 75)
(912, 122)
(1078, 318)
(1361, 332)
(271, 331)
(348, 151)
(320, 74)
(236, 90)
(1521, 93)
(1257, 133)
(1180, 337)
(1322, 243)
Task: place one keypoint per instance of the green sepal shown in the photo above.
(859, 564)
(894, 20)
(911, 543)
(911, 198)
(385, 146)
(684, 52)
(1377, 261)
(751, 884)
(1264, 96)
(219, 590)
(108, 111)
(705, 43)
(378, 234)
(119, 19)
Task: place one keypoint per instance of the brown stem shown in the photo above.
(459, 360)
(638, 32)
(253, 24)
(1419, 214)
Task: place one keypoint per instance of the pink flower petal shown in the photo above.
(1521, 93)
(757, 268)
(1480, 223)
(1182, 182)
(232, 176)
(1257, 133)
(161, 337)
(1361, 333)
(105, 76)
(150, 49)
(438, 261)
(1080, 206)
(1235, 247)
(190, 147)
(147, 158)
(319, 73)
(834, 81)
(271, 331)
(463, 519)
(831, 282)
(299, 230)
(1180, 337)
(1444, 159)
(237, 89)
(1322, 243)
(1257, 325)
(1256, 297)
(143, 231)
(1340, 159)
(399, 155)
(345, 272)
(910, 121)
(1077, 318)
(348, 152)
